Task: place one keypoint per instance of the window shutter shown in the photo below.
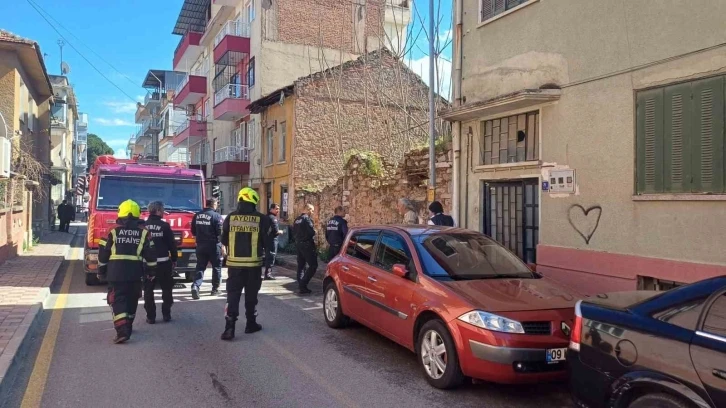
(678, 112)
(499, 6)
(708, 135)
(650, 141)
(487, 9)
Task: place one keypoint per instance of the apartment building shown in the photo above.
(589, 136)
(80, 156)
(155, 117)
(63, 118)
(236, 51)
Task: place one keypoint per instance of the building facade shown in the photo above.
(236, 51)
(63, 117)
(591, 141)
(80, 158)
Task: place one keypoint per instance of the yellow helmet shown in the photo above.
(248, 195)
(129, 208)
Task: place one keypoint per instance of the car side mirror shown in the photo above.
(400, 270)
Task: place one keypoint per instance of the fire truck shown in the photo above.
(113, 181)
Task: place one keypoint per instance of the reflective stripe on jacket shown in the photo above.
(247, 236)
(127, 253)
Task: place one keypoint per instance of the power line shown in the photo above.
(79, 53)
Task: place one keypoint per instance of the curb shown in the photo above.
(292, 266)
(17, 349)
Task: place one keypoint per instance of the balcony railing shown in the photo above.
(185, 125)
(232, 154)
(231, 91)
(151, 124)
(152, 97)
(232, 27)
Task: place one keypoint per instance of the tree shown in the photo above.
(96, 147)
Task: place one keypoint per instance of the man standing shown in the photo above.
(246, 235)
(64, 216)
(405, 208)
(207, 228)
(123, 258)
(304, 233)
(438, 217)
(336, 231)
(275, 232)
(166, 256)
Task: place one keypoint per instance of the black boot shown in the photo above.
(228, 329)
(122, 334)
(167, 317)
(252, 326)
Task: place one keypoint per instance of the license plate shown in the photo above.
(556, 355)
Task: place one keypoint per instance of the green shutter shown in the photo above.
(707, 146)
(649, 135)
(678, 117)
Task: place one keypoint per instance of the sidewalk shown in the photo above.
(24, 285)
(289, 261)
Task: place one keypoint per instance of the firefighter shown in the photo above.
(166, 255)
(207, 228)
(307, 254)
(336, 231)
(123, 259)
(245, 234)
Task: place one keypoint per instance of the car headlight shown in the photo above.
(492, 322)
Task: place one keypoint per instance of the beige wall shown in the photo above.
(600, 53)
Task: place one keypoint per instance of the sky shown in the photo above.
(124, 39)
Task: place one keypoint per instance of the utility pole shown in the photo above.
(61, 43)
(432, 105)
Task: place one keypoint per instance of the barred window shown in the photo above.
(510, 139)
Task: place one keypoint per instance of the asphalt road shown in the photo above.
(295, 361)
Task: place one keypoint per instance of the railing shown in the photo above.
(184, 37)
(232, 154)
(232, 27)
(201, 71)
(201, 155)
(152, 96)
(187, 122)
(147, 124)
(231, 91)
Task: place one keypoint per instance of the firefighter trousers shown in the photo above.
(249, 280)
(307, 263)
(208, 253)
(165, 280)
(123, 297)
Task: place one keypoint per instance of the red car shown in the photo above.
(464, 304)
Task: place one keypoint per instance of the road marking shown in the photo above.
(36, 386)
(319, 306)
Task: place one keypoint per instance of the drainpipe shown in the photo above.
(456, 128)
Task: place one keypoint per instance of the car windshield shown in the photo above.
(176, 194)
(468, 256)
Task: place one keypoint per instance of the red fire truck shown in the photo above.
(113, 181)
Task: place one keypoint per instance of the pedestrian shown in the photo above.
(207, 228)
(438, 217)
(307, 254)
(405, 208)
(85, 211)
(124, 257)
(64, 216)
(245, 235)
(335, 232)
(275, 233)
(166, 256)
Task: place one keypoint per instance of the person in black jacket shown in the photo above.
(275, 232)
(123, 259)
(246, 235)
(304, 233)
(336, 231)
(438, 217)
(166, 255)
(65, 215)
(207, 228)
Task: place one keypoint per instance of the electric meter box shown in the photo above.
(562, 181)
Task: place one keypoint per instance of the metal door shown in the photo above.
(511, 216)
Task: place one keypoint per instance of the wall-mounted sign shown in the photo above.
(562, 181)
(545, 186)
(284, 202)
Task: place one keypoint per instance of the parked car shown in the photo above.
(464, 304)
(651, 349)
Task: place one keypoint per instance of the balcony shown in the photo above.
(190, 132)
(191, 90)
(188, 50)
(151, 126)
(231, 101)
(233, 37)
(231, 161)
(200, 157)
(152, 98)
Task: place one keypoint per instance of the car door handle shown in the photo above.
(372, 279)
(345, 268)
(719, 373)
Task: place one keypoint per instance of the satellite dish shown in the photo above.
(65, 68)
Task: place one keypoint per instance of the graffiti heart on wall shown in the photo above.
(584, 221)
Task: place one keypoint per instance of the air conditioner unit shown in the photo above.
(5, 157)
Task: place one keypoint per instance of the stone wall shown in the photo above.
(372, 199)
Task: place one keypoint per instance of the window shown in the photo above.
(361, 245)
(493, 8)
(269, 144)
(510, 140)
(251, 11)
(680, 138)
(251, 72)
(392, 250)
(683, 315)
(715, 322)
(283, 142)
(268, 194)
(251, 134)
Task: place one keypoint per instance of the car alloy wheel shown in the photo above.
(331, 304)
(333, 308)
(433, 354)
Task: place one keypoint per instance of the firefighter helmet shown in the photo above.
(129, 208)
(248, 195)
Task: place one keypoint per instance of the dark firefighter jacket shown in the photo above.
(207, 226)
(245, 233)
(163, 238)
(127, 253)
(304, 230)
(336, 230)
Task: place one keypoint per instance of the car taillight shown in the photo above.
(576, 335)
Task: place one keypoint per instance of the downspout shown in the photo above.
(456, 128)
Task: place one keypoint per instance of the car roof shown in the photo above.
(413, 230)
